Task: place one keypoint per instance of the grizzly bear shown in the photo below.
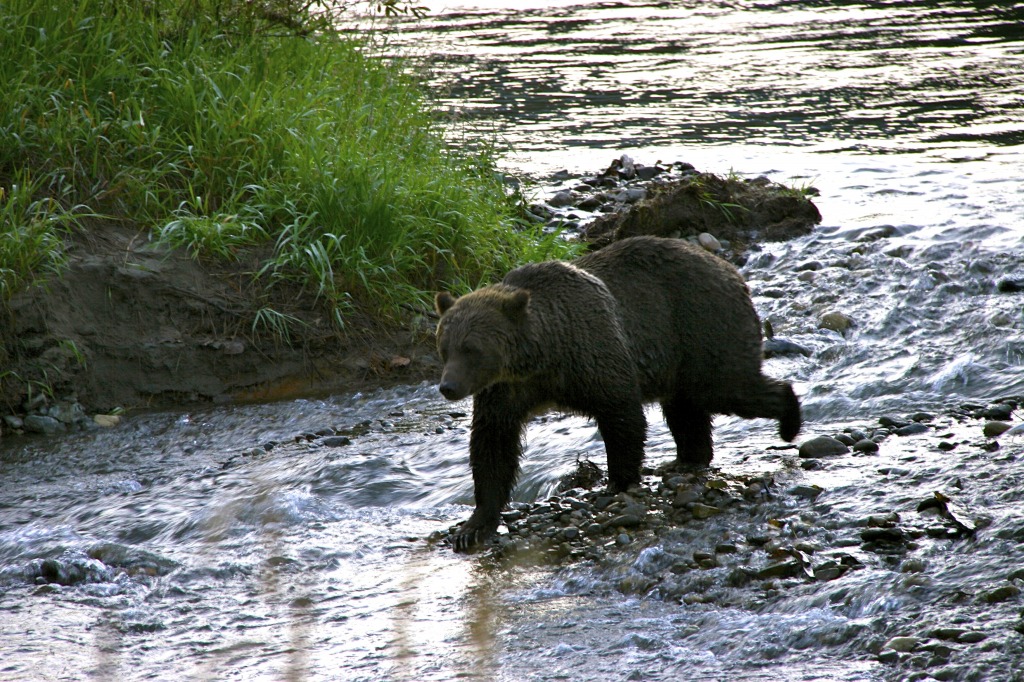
(642, 320)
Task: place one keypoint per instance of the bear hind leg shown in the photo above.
(773, 399)
(691, 428)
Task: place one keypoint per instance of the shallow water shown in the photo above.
(179, 546)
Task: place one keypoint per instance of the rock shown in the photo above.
(902, 644)
(972, 637)
(37, 423)
(648, 172)
(14, 422)
(784, 569)
(836, 321)
(822, 446)
(703, 511)
(709, 242)
(911, 429)
(993, 429)
(948, 634)
(1000, 594)
(892, 422)
(562, 199)
(808, 491)
(865, 445)
(631, 195)
(336, 441)
(778, 346)
(998, 412)
(107, 421)
(66, 412)
(893, 536)
(1010, 286)
(624, 521)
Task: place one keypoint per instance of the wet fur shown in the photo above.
(642, 320)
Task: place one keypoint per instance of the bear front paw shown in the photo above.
(470, 535)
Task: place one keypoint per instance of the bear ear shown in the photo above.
(443, 301)
(515, 304)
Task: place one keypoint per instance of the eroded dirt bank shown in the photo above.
(132, 325)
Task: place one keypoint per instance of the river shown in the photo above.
(287, 540)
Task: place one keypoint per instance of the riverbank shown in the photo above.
(209, 203)
(134, 324)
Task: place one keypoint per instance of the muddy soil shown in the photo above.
(133, 325)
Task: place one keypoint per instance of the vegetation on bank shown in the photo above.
(231, 131)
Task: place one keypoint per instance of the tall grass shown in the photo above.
(220, 140)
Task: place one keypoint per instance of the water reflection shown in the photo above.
(875, 77)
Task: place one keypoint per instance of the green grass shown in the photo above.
(222, 140)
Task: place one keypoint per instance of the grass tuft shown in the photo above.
(219, 140)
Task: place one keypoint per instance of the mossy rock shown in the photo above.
(737, 209)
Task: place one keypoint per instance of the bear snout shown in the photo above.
(451, 390)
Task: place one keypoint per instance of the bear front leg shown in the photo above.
(495, 446)
(624, 430)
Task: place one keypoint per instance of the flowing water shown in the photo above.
(235, 543)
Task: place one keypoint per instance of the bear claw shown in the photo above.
(466, 539)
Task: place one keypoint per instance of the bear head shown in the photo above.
(477, 336)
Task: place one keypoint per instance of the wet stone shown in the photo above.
(336, 441)
(784, 569)
(808, 491)
(836, 321)
(703, 511)
(37, 423)
(865, 445)
(822, 446)
(902, 644)
(947, 634)
(995, 428)
(1000, 594)
(998, 412)
(883, 535)
(891, 422)
(911, 429)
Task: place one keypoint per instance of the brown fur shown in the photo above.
(642, 320)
